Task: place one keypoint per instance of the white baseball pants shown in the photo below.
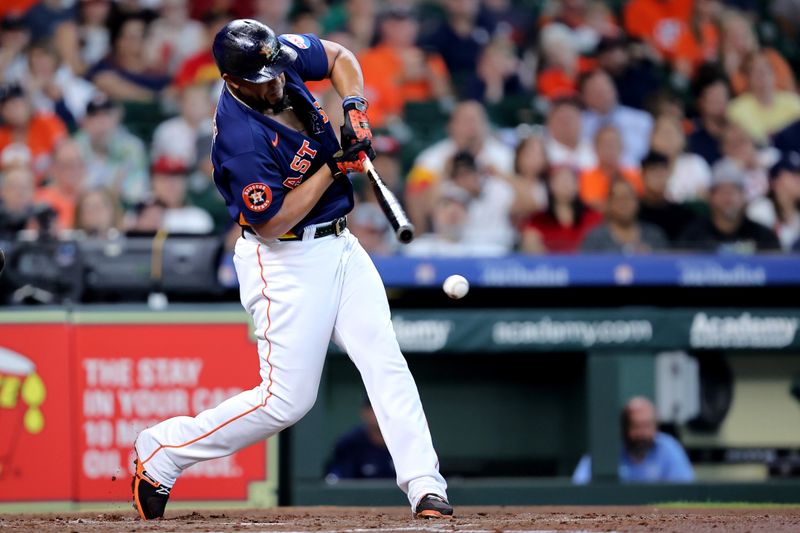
(301, 294)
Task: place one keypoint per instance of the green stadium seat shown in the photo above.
(512, 111)
(142, 118)
(427, 122)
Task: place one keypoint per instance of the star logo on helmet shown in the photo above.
(267, 51)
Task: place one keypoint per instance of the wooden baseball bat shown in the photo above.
(390, 205)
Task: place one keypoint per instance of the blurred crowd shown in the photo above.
(533, 126)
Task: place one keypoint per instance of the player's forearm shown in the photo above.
(346, 76)
(296, 204)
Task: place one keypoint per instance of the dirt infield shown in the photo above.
(394, 519)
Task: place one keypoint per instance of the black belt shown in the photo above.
(335, 227)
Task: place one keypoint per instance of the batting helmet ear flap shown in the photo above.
(250, 50)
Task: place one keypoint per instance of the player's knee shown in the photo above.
(291, 412)
(303, 407)
(146, 441)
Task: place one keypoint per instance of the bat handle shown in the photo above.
(362, 156)
(365, 161)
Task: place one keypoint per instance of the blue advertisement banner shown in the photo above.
(595, 270)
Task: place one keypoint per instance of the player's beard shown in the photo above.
(276, 99)
(270, 98)
(281, 105)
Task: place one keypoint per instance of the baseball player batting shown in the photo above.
(304, 278)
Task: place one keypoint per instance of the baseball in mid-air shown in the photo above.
(456, 286)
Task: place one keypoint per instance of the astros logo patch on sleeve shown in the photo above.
(257, 197)
(300, 41)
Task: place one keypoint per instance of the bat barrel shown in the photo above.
(395, 214)
(405, 233)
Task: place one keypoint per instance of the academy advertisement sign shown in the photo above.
(503, 330)
(424, 335)
(742, 331)
(511, 330)
(572, 332)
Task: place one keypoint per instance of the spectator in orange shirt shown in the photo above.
(38, 131)
(67, 175)
(658, 22)
(595, 183)
(683, 32)
(699, 41)
(739, 43)
(15, 7)
(702, 41)
(562, 63)
(396, 71)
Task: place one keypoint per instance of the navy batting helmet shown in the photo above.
(250, 50)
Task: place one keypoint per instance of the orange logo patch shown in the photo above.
(257, 197)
